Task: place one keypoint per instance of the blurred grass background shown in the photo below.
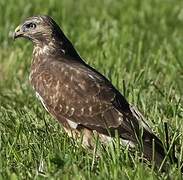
(137, 44)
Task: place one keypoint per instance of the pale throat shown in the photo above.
(42, 52)
(44, 49)
(40, 55)
(50, 48)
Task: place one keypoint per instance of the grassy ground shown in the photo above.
(137, 44)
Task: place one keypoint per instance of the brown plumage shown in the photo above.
(78, 96)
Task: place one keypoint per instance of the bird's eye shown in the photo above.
(31, 26)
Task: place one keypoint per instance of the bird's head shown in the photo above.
(43, 30)
(39, 29)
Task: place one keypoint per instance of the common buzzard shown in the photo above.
(78, 96)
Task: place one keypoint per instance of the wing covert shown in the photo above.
(80, 94)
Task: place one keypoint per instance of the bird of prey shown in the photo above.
(78, 96)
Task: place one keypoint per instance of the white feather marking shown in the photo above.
(41, 99)
(90, 109)
(127, 143)
(45, 49)
(77, 71)
(140, 118)
(91, 76)
(67, 109)
(82, 111)
(63, 51)
(72, 124)
(57, 85)
(105, 139)
(81, 85)
(71, 78)
(120, 119)
(72, 111)
(60, 107)
(66, 86)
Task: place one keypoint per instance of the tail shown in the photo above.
(151, 146)
(153, 149)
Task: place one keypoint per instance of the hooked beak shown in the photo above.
(17, 33)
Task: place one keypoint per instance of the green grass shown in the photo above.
(137, 44)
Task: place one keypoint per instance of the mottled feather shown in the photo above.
(82, 99)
